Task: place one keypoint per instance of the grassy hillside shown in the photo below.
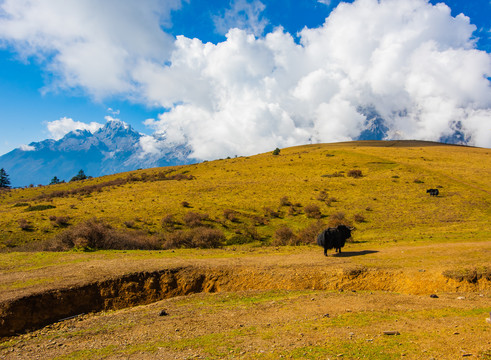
(250, 198)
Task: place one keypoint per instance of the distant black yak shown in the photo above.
(334, 238)
(432, 192)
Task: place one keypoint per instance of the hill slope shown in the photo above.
(250, 198)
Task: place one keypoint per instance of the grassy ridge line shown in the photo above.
(391, 195)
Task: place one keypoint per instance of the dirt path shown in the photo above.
(255, 303)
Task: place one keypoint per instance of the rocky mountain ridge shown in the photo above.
(116, 147)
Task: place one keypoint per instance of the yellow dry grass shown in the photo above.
(391, 195)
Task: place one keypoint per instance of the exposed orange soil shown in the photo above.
(391, 281)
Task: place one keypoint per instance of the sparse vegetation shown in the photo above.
(59, 221)
(312, 211)
(337, 219)
(408, 239)
(168, 221)
(194, 219)
(309, 234)
(284, 201)
(359, 218)
(200, 237)
(284, 236)
(231, 215)
(25, 225)
(40, 207)
(261, 197)
(97, 234)
(355, 173)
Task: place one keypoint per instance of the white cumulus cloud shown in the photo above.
(407, 62)
(61, 127)
(25, 147)
(90, 44)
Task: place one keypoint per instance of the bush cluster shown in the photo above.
(88, 189)
(200, 237)
(193, 219)
(309, 234)
(334, 174)
(231, 215)
(313, 211)
(337, 219)
(168, 221)
(60, 221)
(284, 201)
(96, 234)
(40, 207)
(269, 212)
(286, 236)
(25, 225)
(245, 236)
(355, 173)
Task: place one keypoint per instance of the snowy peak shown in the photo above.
(115, 147)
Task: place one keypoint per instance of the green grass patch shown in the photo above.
(40, 207)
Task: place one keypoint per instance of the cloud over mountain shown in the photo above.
(61, 127)
(112, 148)
(395, 68)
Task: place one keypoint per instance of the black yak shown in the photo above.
(432, 192)
(334, 238)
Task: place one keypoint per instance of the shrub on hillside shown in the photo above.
(60, 221)
(25, 225)
(337, 219)
(230, 215)
(40, 207)
(293, 211)
(334, 174)
(244, 236)
(168, 221)
(201, 237)
(309, 234)
(284, 236)
(206, 238)
(359, 218)
(130, 224)
(313, 211)
(322, 196)
(21, 204)
(355, 173)
(193, 219)
(269, 212)
(96, 234)
(260, 220)
(284, 201)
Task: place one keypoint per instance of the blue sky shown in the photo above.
(137, 61)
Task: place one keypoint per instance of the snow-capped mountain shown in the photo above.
(116, 147)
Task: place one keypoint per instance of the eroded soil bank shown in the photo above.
(33, 311)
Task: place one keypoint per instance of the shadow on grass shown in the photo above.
(354, 253)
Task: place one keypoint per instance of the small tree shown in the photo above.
(80, 176)
(276, 151)
(55, 181)
(4, 179)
